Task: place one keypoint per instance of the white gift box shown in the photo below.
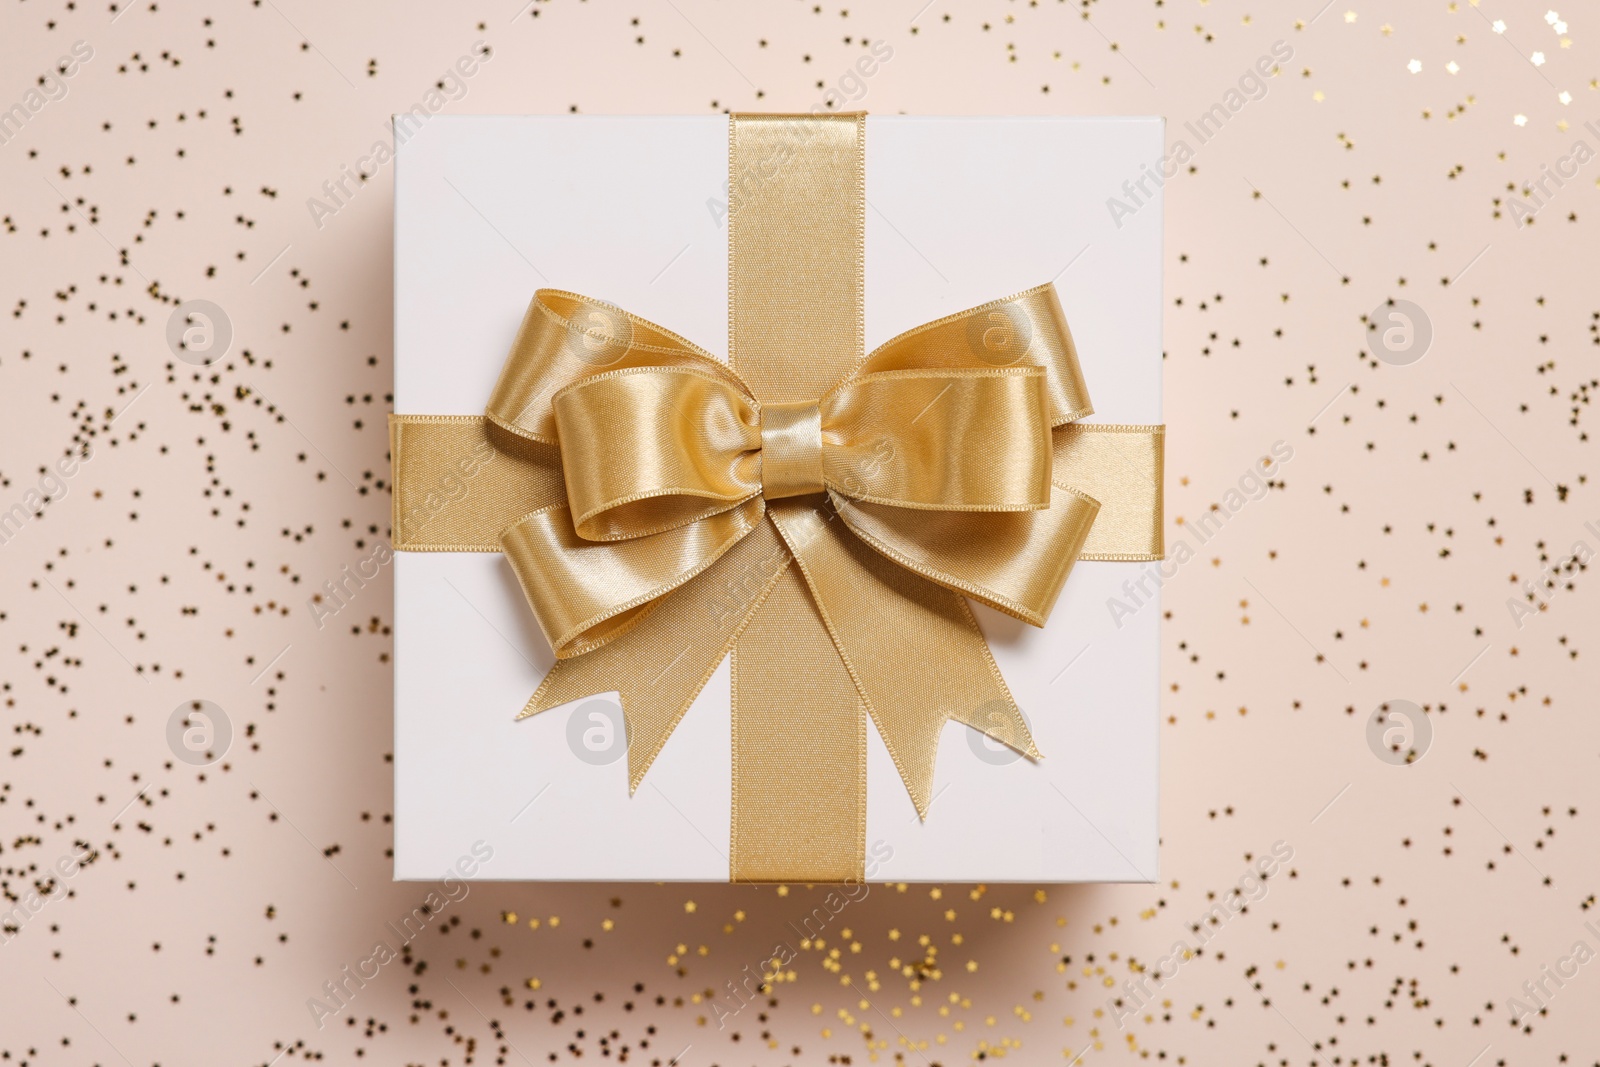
(632, 211)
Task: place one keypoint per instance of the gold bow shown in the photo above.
(650, 502)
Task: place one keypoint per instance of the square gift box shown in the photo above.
(633, 211)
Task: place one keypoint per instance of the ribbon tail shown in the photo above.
(1015, 562)
(913, 647)
(660, 664)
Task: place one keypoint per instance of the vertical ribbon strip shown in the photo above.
(796, 240)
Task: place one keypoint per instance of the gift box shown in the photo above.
(637, 212)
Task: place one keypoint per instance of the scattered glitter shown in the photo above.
(1335, 950)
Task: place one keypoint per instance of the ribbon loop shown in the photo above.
(585, 593)
(649, 449)
(1015, 562)
(565, 337)
(1028, 329)
(941, 440)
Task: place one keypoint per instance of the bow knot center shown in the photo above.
(791, 449)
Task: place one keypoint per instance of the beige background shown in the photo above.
(177, 562)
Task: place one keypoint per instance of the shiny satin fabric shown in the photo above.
(646, 449)
(822, 518)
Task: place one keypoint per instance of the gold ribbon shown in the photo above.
(651, 500)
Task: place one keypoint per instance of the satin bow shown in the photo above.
(946, 462)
